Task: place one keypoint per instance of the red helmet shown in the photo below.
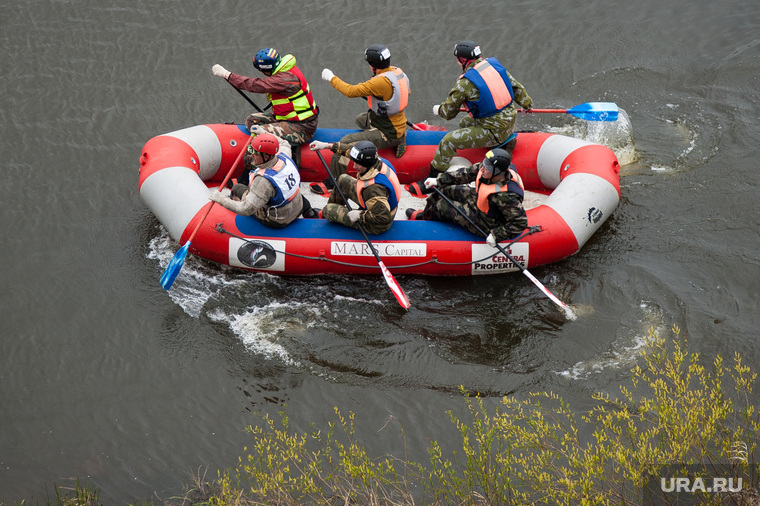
(266, 144)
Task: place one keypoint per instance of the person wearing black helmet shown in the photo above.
(384, 123)
(376, 190)
(494, 204)
(294, 112)
(489, 94)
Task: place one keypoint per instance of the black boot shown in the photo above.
(418, 189)
(308, 211)
(413, 214)
(322, 188)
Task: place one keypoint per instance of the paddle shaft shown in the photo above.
(504, 252)
(178, 260)
(592, 111)
(224, 183)
(242, 93)
(550, 111)
(394, 286)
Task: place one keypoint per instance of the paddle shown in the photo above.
(171, 271)
(592, 111)
(569, 312)
(246, 97)
(389, 279)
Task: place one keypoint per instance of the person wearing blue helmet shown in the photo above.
(294, 113)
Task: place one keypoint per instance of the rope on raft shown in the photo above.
(528, 231)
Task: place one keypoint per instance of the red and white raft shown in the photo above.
(576, 182)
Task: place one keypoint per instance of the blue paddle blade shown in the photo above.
(171, 271)
(596, 111)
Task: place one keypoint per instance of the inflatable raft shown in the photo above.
(576, 182)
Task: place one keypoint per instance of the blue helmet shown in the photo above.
(266, 60)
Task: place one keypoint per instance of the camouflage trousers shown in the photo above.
(466, 199)
(339, 163)
(336, 211)
(295, 132)
(468, 135)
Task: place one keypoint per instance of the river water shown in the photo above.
(104, 376)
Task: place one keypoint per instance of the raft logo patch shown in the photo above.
(594, 215)
(487, 260)
(256, 254)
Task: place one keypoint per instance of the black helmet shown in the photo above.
(467, 49)
(378, 56)
(497, 161)
(364, 153)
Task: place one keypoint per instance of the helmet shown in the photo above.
(266, 60)
(364, 153)
(467, 49)
(266, 144)
(378, 56)
(497, 161)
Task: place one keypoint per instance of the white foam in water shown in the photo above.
(624, 352)
(258, 326)
(192, 288)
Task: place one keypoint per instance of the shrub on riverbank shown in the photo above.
(677, 418)
(677, 413)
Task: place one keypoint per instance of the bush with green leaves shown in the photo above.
(675, 412)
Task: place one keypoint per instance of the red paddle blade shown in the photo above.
(395, 287)
(428, 128)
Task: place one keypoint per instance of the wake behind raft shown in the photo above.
(572, 188)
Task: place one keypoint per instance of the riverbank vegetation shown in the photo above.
(676, 416)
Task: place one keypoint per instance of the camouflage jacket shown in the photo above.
(466, 91)
(510, 218)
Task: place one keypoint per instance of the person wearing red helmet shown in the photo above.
(384, 122)
(273, 196)
(294, 112)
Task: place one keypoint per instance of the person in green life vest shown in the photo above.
(294, 112)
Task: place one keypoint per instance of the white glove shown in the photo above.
(220, 71)
(491, 240)
(317, 145)
(216, 196)
(431, 182)
(354, 215)
(257, 129)
(327, 75)
(435, 109)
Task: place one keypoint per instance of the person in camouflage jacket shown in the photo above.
(478, 129)
(504, 216)
(375, 189)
